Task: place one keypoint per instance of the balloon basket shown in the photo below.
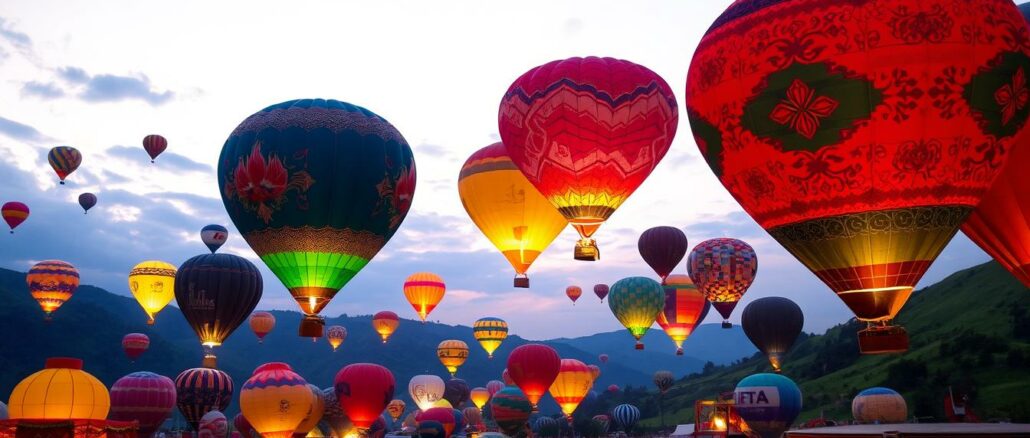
(727, 325)
(210, 362)
(586, 250)
(679, 351)
(883, 340)
(639, 346)
(521, 282)
(311, 327)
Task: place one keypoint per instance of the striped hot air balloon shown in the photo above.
(572, 385)
(510, 409)
(490, 332)
(52, 283)
(199, 390)
(879, 405)
(685, 308)
(452, 354)
(424, 290)
(144, 397)
(625, 416)
(154, 144)
(14, 213)
(134, 344)
(64, 160)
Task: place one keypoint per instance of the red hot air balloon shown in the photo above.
(154, 145)
(861, 134)
(135, 344)
(685, 308)
(601, 290)
(573, 292)
(14, 214)
(662, 248)
(603, 358)
(533, 368)
(144, 397)
(587, 132)
(364, 390)
(243, 426)
(613, 388)
(723, 269)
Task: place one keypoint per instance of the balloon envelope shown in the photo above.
(452, 354)
(64, 160)
(215, 293)
(152, 284)
(14, 213)
(773, 324)
(87, 201)
(601, 290)
(769, 403)
(262, 323)
(663, 380)
(625, 416)
(134, 344)
(275, 400)
(662, 248)
(199, 390)
(490, 333)
(425, 389)
(685, 308)
(636, 303)
(456, 391)
(510, 409)
(52, 283)
(214, 425)
(879, 405)
(144, 397)
(571, 385)
(533, 368)
(154, 144)
(723, 269)
(424, 290)
(364, 390)
(336, 334)
(385, 323)
(214, 236)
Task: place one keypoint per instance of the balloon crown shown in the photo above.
(273, 366)
(63, 362)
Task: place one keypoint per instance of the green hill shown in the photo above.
(971, 331)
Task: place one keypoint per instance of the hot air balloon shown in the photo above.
(214, 236)
(364, 390)
(385, 323)
(134, 344)
(275, 400)
(603, 421)
(546, 427)
(723, 269)
(603, 358)
(625, 416)
(685, 308)
(316, 187)
(490, 332)
(509, 211)
(830, 154)
(441, 403)
(143, 397)
(262, 323)
(772, 324)
(314, 414)
(52, 283)
(636, 302)
(154, 144)
(479, 396)
(506, 378)
(452, 353)
(595, 370)
(572, 385)
(14, 213)
(243, 426)
(456, 392)
(215, 293)
(510, 409)
(473, 418)
(493, 386)
(601, 290)
(663, 380)
(769, 403)
(213, 425)
(395, 408)
(586, 132)
(424, 290)
(87, 201)
(60, 391)
(444, 416)
(879, 405)
(662, 248)
(199, 390)
(425, 389)
(64, 160)
(533, 368)
(573, 292)
(335, 419)
(336, 335)
(613, 388)
(153, 285)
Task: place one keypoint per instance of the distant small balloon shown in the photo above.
(14, 214)
(64, 160)
(134, 344)
(87, 201)
(336, 335)
(154, 144)
(601, 290)
(214, 236)
(573, 292)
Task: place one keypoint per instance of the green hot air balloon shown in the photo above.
(316, 187)
(636, 302)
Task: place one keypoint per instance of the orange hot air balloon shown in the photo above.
(586, 132)
(479, 396)
(275, 400)
(262, 324)
(685, 308)
(572, 385)
(509, 211)
(385, 323)
(51, 283)
(862, 158)
(573, 292)
(424, 291)
(336, 335)
(452, 354)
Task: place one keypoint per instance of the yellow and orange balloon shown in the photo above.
(572, 385)
(52, 283)
(385, 323)
(153, 285)
(424, 290)
(276, 400)
(452, 354)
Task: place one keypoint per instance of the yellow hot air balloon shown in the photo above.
(490, 332)
(275, 400)
(61, 391)
(442, 403)
(153, 285)
(315, 414)
(479, 396)
(572, 385)
(452, 354)
(509, 211)
(424, 291)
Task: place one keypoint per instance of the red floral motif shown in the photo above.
(932, 26)
(258, 180)
(802, 109)
(918, 158)
(405, 190)
(1012, 97)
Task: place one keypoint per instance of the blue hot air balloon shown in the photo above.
(625, 416)
(769, 403)
(214, 236)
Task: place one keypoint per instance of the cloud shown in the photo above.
(169, 160)
(44, 90)
(20, 131)
(113, 88)
(19, 40)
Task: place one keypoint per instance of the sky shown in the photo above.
(101, 76)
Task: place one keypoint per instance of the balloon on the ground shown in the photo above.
(473, 418)
(60, 391)
(625, 416)
(154, 144)
(262, 323)
(242, 426)
(199, 390)
(723, 270)
(364, 390)
(456, 391)
(603, 421)
(64, 160)
(335, 419)
(613, 388)
(87, 201)
(443, 416)
(14, 213)
(879, 405)
(431, 429)
(572, 384)
(769, 403)
(214, 236)
(636, 303)
(385, 323)
(510, 409)
(533, 368)
(662, 248)
(134, 344)
(773, 324)
(214, 425)
(509, 211)
(685, 308)
(336, 334)
(493, 386)
(452, 354)
(425, 389)
(424, 290)
(52, 283)
(490, 332)
(314, 414)
(586, 132)
(479, 396)
(144, 397)
(275, 400)
(316, 187)
(395, 408)
(152, 284)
